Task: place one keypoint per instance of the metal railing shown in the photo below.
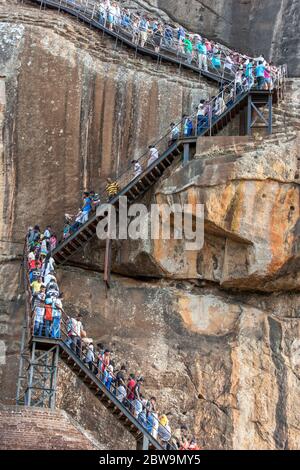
(214, 110)
(96, 14)
(127, 28)
(74, 343)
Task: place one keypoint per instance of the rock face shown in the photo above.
(269, 27)
(76, 112)
(215, 333)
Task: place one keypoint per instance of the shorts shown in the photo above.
(144, 35)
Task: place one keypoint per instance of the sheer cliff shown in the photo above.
(216, 334)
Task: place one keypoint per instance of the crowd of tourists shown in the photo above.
(50, 320)
(146, 30)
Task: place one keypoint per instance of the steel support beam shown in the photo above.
(255, 114)
(186, 154)
(107, 262)
(249, 115)
(53, 379)
(142, 443)
(42, 377)
(270, 107)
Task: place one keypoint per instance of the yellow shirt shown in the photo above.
(112, 188)
(36, 286)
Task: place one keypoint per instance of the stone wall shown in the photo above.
(37, 429)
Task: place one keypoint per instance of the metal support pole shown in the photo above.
(45, 377)
(21, 363)
(53, 380)
(145, 443)
(270, 106)
(142, 443)
(107, 262)
(29, 390)
(210, 120)
(186, 154)
(249, 115)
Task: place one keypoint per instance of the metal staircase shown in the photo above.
(39, 367)
(135, 188)
(87, 11)
(122, 414)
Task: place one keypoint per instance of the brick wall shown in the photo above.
(36, 428)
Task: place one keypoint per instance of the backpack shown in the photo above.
(136, 390)
(48, 313)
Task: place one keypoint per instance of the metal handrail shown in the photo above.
(87, 9)
(90, 8)
(65, 336)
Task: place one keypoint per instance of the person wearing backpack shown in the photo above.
(56, 315)
(202, 55)
(39, 312)
(143, 27)
(137, 404)
(130, 391)
(48, 316)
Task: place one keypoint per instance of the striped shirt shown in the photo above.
(112, 189)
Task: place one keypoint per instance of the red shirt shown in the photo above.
(130, 392)
(35, 264)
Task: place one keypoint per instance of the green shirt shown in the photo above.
(188, 45)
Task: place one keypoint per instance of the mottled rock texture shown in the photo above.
(215, 334)
(78, 109)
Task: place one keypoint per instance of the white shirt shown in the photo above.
(49, 267)
(228, 62)
(153, 154)
(137, 168)
(90, 356)
(175, 132)
(201, 110)
(49, 278)
(76, 327)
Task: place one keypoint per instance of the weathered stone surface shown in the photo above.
(76, 111)
(251, 201)
(36, 429)
(215, 333)
(226, 364)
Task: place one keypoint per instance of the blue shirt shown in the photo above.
(202, 48)
(216, 61)
(181, 33)
(260, 71)
(249, 70)
(168, 33)
(87, 207)
(126, 21)
(56, 313)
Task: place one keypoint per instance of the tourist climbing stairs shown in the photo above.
(135, 187)
(107, 398)
(87, 11)
(41, 372)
